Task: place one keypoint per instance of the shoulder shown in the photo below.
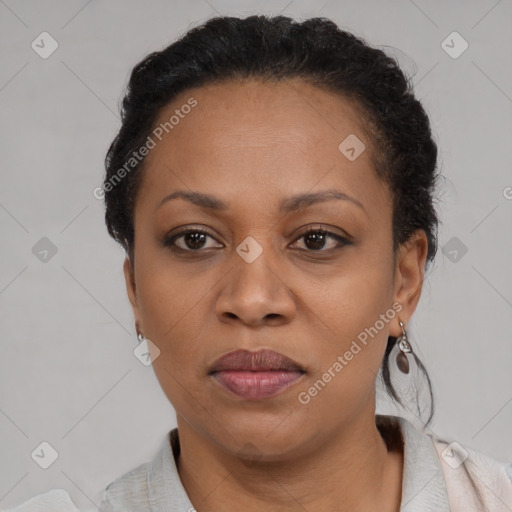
(154, 486)
(454, 455)
(128, 492)
(465, 479)
(473, 475)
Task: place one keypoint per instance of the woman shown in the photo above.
(273, 187)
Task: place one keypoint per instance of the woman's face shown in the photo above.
(253, 279)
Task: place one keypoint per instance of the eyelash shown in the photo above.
(169, 241)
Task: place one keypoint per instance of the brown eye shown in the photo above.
(191, 240)
(316, 240)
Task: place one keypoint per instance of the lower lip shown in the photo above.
(256, 385)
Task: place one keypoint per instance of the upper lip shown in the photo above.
(262, 360)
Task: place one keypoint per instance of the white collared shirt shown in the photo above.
(437, 477)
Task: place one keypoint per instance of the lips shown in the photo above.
(263, 360)
(255, 375)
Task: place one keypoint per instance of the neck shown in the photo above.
(351, 471)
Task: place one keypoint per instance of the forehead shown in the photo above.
(271, 138)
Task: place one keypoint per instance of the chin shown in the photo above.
(264, 436)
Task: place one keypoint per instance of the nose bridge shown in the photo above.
(254, 290)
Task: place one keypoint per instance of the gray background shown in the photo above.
(68, 375)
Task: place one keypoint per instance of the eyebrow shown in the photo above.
(288, 205)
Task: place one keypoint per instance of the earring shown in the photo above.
(403, 344)
(140, 337)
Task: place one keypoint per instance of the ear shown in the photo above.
(409, 276)
(131, 290)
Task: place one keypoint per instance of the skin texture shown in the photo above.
(252, 144)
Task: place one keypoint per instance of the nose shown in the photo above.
(256, 294)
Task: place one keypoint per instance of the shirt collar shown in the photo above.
(423, 484)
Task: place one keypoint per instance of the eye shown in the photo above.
(191, 240)
(194, 240)
(315, 240)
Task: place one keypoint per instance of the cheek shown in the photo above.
(177, 311)
(354, 295)
(350, 360)
(355, 312)
(172, 308)
(169, 304)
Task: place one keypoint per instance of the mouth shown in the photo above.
(256, 375)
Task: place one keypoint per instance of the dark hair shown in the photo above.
(279, 48)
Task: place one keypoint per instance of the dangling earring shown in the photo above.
(403, 344)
